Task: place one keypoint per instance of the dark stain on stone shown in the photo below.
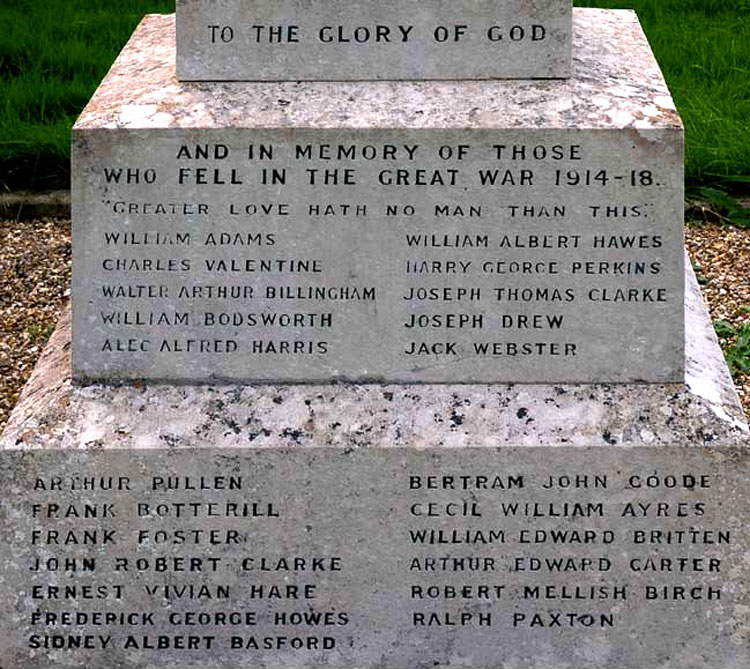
(232, 425)
(503, 401)
(456, 418)
(294, 435)
(388, 395)
(278, 399)
(252, 436)
(170, 439)
(607, 436)
(522, 412)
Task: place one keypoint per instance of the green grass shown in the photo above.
(737, 352)
(703, 47)
(53, 53)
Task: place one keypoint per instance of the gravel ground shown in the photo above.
(721, 258)
(35, 260)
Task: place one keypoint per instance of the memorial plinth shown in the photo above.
(480, 258)
(505, 231)
(590, 526)
(360, 39)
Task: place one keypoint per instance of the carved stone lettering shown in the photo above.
(298, 40)
(248, 558)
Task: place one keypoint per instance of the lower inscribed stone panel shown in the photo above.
(510, 557)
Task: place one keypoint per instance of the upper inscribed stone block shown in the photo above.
(291, 40)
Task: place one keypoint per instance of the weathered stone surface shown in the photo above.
(493, 242)
(326, 472)
(358, 39)
(54, 413)
(616, 83)
(517, 557)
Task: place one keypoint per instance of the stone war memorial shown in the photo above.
(383, 353)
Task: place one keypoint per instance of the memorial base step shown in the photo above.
(378, 526)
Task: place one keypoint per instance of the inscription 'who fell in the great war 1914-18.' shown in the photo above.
(360, 40)
(326, 557)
